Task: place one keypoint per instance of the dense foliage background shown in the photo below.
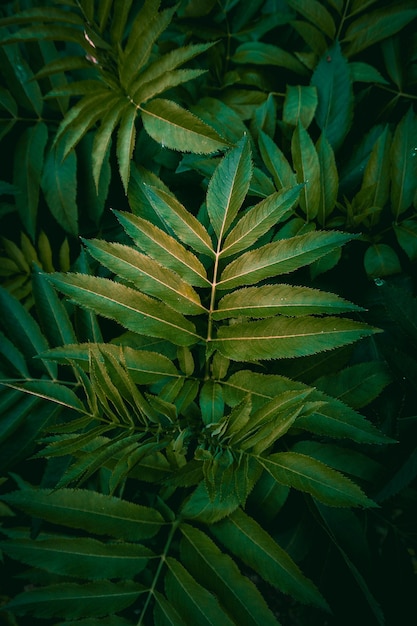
(208, 317)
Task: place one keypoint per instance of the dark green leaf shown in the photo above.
(276, 163)
(307, 167)
(329, 179)
(316, 13)
(406, 234)
(404, 164)
(300, 105)
(126, 138)
(259, 53)
(381, 260)
(59, 185)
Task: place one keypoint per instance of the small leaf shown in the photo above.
(103, 136)
(275, 338)
(245, 538)
(147, 275)
(27, 172)
(178, 129)
(406, 234)
(259, 53)
(126, 138)
(329, 179)
(280, 257)
(211, 402)
(71, 600)
(52, 391)
(192, 600)
(307, 474)
(130, 308)
(307, 167)
(300, 105)
(365, 73)
(59, 185)
(404, 164)
(164, 249)
(378, 170)
(335, 96)
(88, 510)
(259, 219)
(381, 260)
(79, 557)
(276, 162)
(357, 385)
(228, 187)
(218, 573)
(374, 26)
(316, 13)
(270, 300)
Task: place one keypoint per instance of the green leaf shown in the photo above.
(178, 129)
(52, 313)
(335, 96)
(52, 391)
(381, 260)
(374, 26)
(147, 275)
(280, 257)
(259, 219)
(24, 330)
(218, 573)
(378, 170)
(307, 167)
(211, 402)
(103, 136)
(142, 92)
(259, 53)
(276, 162)
(246, 539)
(190, 599)
(79, 557)
(357, 385)
(164, 613)
(276, 338)
(91, 511)
(186, 227)
(20, 80)
(164, 249)
(71, 600)
(316, 13)
(144, 367)
(311, 476)
(228, 187)
(59, 185)
(12, 358)
(365, 73)
(132, 309)
(329, 179)
(404, 164)
(27, 172)
(126, 138)
(203, 508)
(300, 105)
(270, 300)
(406, 234)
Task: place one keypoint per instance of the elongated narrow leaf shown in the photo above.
(300, 105)
(316, 13)
(186, 227)
(307, 474)
(190, 599)
(71, 600)
(53, 315)
(245, 538)
(329, 179)
(377, 172)
(131, 309)
(280, 257)
(332, 80)
(126, 138)
(103, 136)
(276, 338)
(260, 53)
(59, 185)
(258, 220)
(42, 14)
(276, 162)
(164, 613)
(357, 385)
(24, 330)
(404, 164)
(88, 510)
(144, 366)
(148, 90)
(377, 25)
(211, 402)
(54, 32)
(176, 128)
(228, 187)
(332, 418)
(27, 171)
(147, 275)
(52, 391)
(270, 300)
(307, 167)
(12, 358)
(79, 557)
(164, 249)
(219, 573)
(406, 234)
